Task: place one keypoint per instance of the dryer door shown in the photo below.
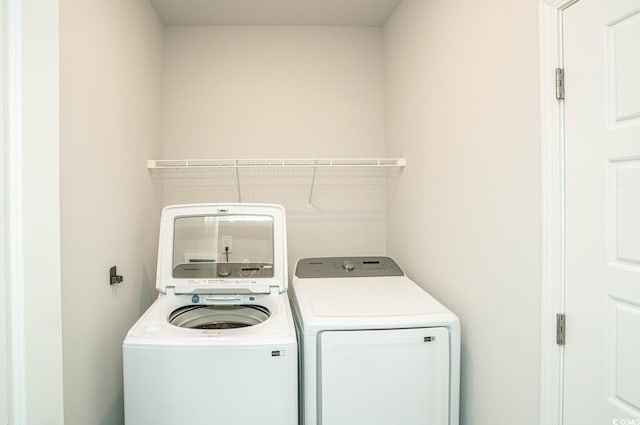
(384, 377)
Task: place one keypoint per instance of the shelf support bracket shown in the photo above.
(238, 180)
(313, 183)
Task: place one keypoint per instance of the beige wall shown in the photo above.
(282, 92)
(111, 66)
(464, 219)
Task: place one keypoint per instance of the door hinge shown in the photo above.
(559, 83)
(560, 328)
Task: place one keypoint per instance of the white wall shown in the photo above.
(282, 92)
(464, 219)
(111, 62)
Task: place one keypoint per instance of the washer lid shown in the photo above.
(362, 293)
(367, 303)
(367, 297)
(222, 248)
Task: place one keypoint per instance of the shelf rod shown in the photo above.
(238, 181)
(313, 182)
(280, 163)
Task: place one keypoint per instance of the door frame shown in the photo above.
(14, 336)
(553, 211)
(4, 305)
(29, 135)
(12, 345)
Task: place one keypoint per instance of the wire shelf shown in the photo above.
(176, 164)
(249, 172)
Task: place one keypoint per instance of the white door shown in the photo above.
(602, 158)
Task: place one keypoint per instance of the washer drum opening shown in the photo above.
(219, 316)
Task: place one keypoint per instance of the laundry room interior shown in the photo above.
(404, 128)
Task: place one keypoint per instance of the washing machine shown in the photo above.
(375, 348)
(219, 344)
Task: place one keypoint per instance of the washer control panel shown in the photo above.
(347, 267)
(212, 270)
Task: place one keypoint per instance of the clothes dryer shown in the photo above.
(219, 345)
(376, 349)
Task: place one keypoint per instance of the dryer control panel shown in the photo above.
(347, 267)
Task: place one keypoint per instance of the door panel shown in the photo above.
(384, 377)
(602, 165)
(624, 181)
(626, 325)
(623, 36)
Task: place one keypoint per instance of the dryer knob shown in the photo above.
(224, 271)
(348, 265)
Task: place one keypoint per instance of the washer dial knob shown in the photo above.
(348, 265)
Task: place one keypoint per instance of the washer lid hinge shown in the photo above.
(560, 328)
(559, 83)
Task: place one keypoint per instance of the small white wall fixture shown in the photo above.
(553, 194)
